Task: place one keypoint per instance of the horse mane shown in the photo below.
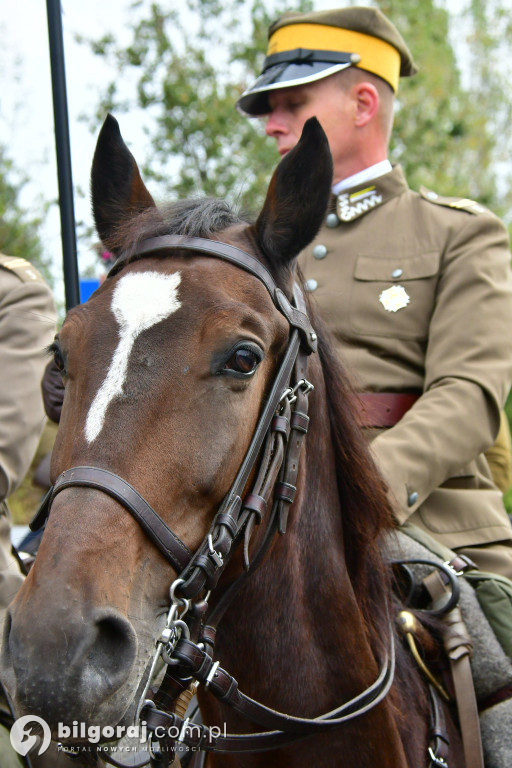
(367, 516)
(196, 217)
(366, 509)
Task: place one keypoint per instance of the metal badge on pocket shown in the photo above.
(394, 298)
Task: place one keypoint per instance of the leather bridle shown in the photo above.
(203, 568)
(271, 462)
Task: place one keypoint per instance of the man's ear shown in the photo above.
(367, 100)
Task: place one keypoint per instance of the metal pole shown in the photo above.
(62, 144)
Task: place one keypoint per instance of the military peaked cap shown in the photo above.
(305, 47)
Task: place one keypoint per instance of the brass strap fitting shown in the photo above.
(408, 625)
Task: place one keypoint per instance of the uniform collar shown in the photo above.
(363, 197)
(370, 173)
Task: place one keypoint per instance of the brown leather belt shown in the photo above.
(383, 409)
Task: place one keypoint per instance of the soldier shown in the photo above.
(415, 287)
(27, 326)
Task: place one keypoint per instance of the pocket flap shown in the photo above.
(376, 268)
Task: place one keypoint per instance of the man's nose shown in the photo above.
(275, 124)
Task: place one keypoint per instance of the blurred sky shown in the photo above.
(26, 107)
(26, 111)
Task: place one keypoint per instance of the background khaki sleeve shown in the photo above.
(27, 327)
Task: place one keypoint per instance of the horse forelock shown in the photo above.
(199, 217)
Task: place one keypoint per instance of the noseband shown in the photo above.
(272, 461)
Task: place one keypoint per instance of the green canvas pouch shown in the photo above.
(494, 592)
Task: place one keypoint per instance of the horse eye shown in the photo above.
(58, 357)
(243, 361)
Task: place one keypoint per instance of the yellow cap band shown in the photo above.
(377, 56)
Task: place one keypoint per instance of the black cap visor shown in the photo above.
(254, 101)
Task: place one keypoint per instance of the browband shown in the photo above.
(230, 253)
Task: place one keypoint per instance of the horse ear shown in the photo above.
(117, 189)
(297, 198)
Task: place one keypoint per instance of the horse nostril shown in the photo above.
(111, 656)
(88, 658)
(6, 630)
(114, 635)
(5, 651)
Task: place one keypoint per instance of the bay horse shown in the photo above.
(176, 462)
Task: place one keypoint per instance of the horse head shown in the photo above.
(166, 369)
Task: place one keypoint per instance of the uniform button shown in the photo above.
(332, 220)
(397, 273)
(311, 285)
(412, 499)
(319, 251)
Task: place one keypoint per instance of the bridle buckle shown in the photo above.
(435, 760)
(216, 556)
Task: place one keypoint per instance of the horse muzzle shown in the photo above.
(81, 667)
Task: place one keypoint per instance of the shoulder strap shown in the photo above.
(21, 268)
(458, 203)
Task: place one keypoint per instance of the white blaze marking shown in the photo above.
(140, 300)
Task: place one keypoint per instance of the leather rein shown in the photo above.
(184, 643)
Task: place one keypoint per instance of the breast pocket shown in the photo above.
(394, 296)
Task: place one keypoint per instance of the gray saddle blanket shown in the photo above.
(491, 667)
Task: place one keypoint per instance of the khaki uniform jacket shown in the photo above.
(417, 291)
(27, 326)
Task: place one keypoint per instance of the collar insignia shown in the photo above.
(351, 206)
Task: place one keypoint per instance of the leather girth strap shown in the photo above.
(458, 646)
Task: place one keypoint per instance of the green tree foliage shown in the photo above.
(189, 66)
(489, 78)
(19, 230)
(447, 127)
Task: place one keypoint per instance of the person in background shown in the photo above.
(27, 326)
(416, 288)
(499, 456)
